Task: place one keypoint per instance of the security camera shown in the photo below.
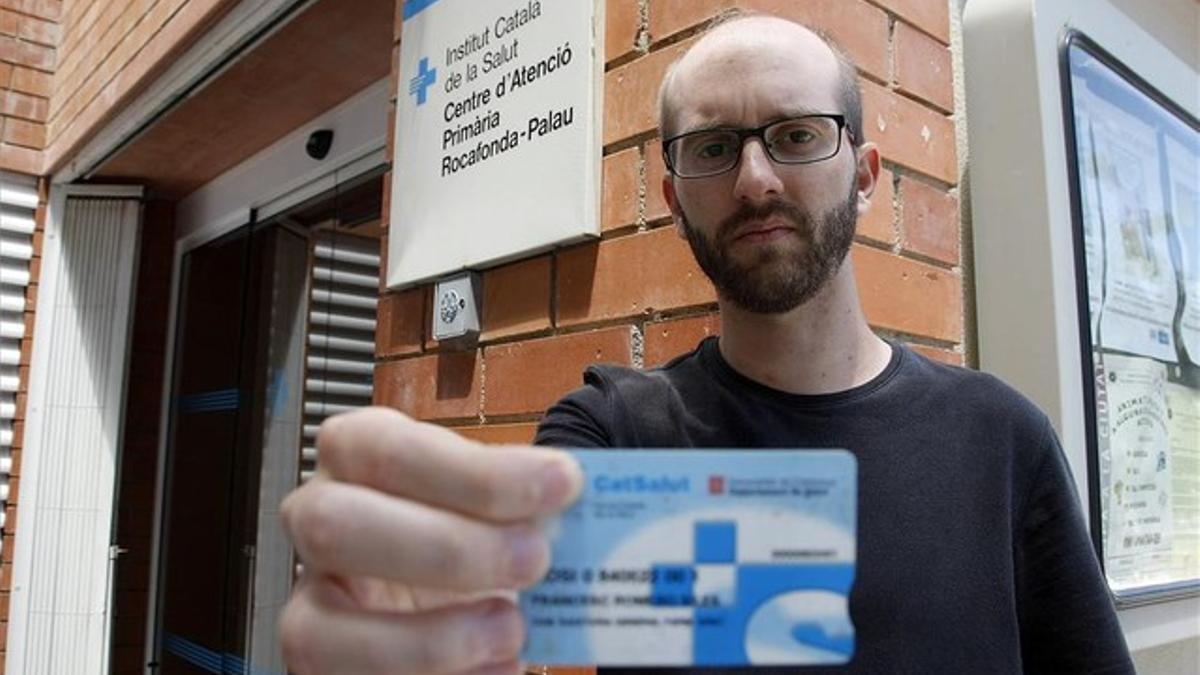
(319, 143)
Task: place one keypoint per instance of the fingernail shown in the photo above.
(528, 553)
(503, 631)
(560, 484)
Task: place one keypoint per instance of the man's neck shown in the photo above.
(821, 347)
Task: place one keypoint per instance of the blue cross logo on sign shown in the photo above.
(425, 78)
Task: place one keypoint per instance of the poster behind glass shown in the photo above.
(1136, 198)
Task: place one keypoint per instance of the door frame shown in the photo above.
(270, 182)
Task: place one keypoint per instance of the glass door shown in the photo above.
(243, 299)
(275, 331)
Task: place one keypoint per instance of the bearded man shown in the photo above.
(973, 556)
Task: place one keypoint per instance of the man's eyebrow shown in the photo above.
(794, 111)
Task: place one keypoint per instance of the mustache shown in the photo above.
(728, 228)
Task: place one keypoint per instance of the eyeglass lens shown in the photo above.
(792, 141)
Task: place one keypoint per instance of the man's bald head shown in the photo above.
(737, 26)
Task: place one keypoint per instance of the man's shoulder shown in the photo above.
(966, 386)
(629, 382)
(616, 401)
(965, 401)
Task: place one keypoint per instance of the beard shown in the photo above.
(776, 279)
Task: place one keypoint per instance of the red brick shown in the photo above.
(879, 223)
(631, 94)
(623, 21)
(10, 22)
(24, 53)
(665, 340)
(629, 276)
(931, 16)
(527, 377)
(73, 122)
(45, 9)
(619, 190)
(85, 74)
(20, 160)
(656, 204)
(501, 434)
(929, 219)
(909, 133)
(16, 104)
(85, 52)
(79, 15)
(400, 322)
(923, 67)
(860, 28)
(27, 134)
(516, 299)
(6, 71)
(937, 354)
(38, 31)
(436, 386)
(909, 296)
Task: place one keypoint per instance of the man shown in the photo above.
(972, 554)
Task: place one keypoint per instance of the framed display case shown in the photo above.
(1132, 164)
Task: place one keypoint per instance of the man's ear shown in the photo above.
(672, 199)
(866, 175)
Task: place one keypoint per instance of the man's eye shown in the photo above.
(712, 150)
(800, 137)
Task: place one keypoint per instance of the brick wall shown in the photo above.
(14, 478)
(67, 67)
(636, 296)
(29, 34)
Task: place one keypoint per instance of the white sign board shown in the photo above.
(497, 133)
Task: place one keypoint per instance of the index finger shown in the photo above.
(386, 450)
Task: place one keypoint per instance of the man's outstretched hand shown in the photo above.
(413, 540)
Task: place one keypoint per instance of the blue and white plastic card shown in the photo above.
(678, 558)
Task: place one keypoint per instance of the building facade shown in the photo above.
(190, 287)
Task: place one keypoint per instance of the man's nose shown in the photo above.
(756, 177)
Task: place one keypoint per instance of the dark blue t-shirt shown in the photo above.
(973, 554)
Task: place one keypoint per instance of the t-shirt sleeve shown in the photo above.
(581, 419)
(1068, 622)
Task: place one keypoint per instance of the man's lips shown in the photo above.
(763, 235)
(770, 230)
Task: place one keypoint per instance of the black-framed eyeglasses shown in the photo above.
(795, 140)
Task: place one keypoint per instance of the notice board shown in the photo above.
(1133, 158)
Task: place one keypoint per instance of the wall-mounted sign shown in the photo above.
(497, 133)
